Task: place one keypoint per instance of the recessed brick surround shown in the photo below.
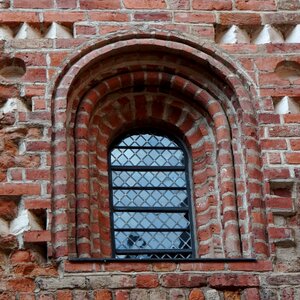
(221, 75)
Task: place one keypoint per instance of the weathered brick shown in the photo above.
(34, 3)
(100, 4)
(145, 4)
(233, 280)
(212, 5)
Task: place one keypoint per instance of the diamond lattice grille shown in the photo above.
(149, 198)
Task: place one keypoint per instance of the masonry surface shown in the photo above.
(222, 75)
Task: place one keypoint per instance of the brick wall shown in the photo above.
(224, 75)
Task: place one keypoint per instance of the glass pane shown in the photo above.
(142, 220)
(147, 157)
(130, 240)
(150, 198)
(148, 178)
(147, 140)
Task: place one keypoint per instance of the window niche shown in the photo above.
(169, 84)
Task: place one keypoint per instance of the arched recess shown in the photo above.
(170, 81)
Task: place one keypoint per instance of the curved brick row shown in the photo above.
(190, 85)
(109, 120)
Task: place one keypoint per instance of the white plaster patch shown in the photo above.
(24, 222)
(27, 32)
(57, 31)
(268, 35)
(235, 35)
(287, 106)
(4, 227)
(12, 105)
(294, 35)
(5, 33)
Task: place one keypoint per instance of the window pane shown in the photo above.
(149, 220)
(152, 240)
(147, 157)
(150, 207)
(148, 179)
(150, 198)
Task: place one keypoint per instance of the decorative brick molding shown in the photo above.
(173, 74)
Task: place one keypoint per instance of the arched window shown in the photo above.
(150, 202)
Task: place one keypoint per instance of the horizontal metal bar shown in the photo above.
(153, 260)
(152, 230)
(150, 188)
(147, 148)
(148, 168)
(150, 209)
(152, 251)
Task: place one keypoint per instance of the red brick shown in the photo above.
(273, 144)
(102, 294)
(233, 280)
(183, 280)
(152, 16)
(295, 144)
(293, 158)
(164, 266)
(37, 236)
(136, 267)
(186, 17)
(85, 30)
(280, 205)
(66, 3)
(38, 146)
(63, 16)
(144, 4)
(240, 18)
(100, 4)
(21, 284)
(109, 16)
(33, 204)
(33, 58)
(64, 295)
(292, 118)
(122, 295)
(269, 119)
(284, 131)
(281, 18)
(147, 281)
(33, 3)
(19, 189)
(256, 5)
(277, 173)
(34, 174)
(279, 233)
(212, 5)
(251, 293)
(196, 294)
(20, 256)
(35, 75)
(260, 266)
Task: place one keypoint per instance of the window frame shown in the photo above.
(188, 188)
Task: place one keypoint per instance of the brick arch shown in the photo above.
(109, 121)
(178, 84)
(74, 104)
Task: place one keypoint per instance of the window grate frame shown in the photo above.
(188, 209)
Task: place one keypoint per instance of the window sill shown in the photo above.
(126, 260)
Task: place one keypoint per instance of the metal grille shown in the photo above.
(150, 205)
